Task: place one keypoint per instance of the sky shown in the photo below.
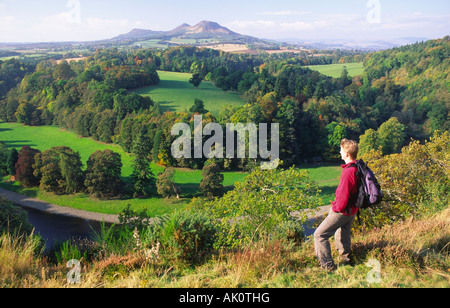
(360, 20)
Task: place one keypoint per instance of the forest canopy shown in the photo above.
(402, 89)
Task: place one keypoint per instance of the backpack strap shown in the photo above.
(349, 208)
(357, 174)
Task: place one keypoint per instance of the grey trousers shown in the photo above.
(340, 226)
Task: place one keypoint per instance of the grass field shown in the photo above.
(335, 70)
(175, 93)
(46, 137)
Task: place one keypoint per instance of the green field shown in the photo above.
(45, 137)
(335, 70)
(175, 93)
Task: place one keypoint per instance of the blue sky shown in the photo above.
(65, 20)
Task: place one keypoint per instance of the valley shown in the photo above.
(89, 126)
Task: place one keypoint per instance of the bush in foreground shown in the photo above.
(13, 218)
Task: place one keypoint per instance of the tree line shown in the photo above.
(60, 170)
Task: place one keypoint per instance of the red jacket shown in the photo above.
(347, 191)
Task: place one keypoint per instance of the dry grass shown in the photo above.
(17, 258)
(414, 253)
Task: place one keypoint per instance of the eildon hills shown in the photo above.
(203, 30)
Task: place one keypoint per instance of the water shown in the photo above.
(58, 228)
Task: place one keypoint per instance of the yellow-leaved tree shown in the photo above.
(414, 181)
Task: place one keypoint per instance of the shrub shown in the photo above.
(13, 218)
(134, 220)
(261, 203)
(291, 230)
(185, 236)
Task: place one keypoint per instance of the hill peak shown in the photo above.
(204, 29)
(209, 27)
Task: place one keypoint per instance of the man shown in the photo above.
(343, 211)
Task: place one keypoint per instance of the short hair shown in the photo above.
(351, 147)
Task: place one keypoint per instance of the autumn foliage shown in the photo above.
(414, 181)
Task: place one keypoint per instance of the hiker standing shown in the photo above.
(343, 211)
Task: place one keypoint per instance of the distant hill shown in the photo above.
(370, 45)
(201, 31)
(213, 35)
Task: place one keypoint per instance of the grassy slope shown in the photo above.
(413, 254)
(175, 93)
(335, 70)
(46, 137)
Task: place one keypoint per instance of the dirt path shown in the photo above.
(40, 205)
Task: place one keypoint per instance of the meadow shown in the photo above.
(175, 93)
(45, 137)
(335, 70)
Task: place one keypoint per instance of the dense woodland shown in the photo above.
(402, 94)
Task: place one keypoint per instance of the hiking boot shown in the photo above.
(329, 267)
(349, 260)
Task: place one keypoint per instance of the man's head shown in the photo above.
(349, 150)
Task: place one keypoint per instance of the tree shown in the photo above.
(142, 177)
(63, 71)
(368, 141)
(212, 181)
(24, 113)
(199, 106)
(71, 171)
(345, 79)
(11, 161)
(336, 133)
(268, 104)
(24, 167)
(60, 170)
(391, 136)
(166, 184)
(103, 174)
(196, 80)
(3, 159)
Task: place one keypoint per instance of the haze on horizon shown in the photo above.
(364, 20)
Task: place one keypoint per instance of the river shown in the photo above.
(59, 228)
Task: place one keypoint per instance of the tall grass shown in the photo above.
(412, 253)
(17, 257)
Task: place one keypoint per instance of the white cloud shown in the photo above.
(67, 27)
(252, 25)
(276, 29)
(7, 24)
(283, 13)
